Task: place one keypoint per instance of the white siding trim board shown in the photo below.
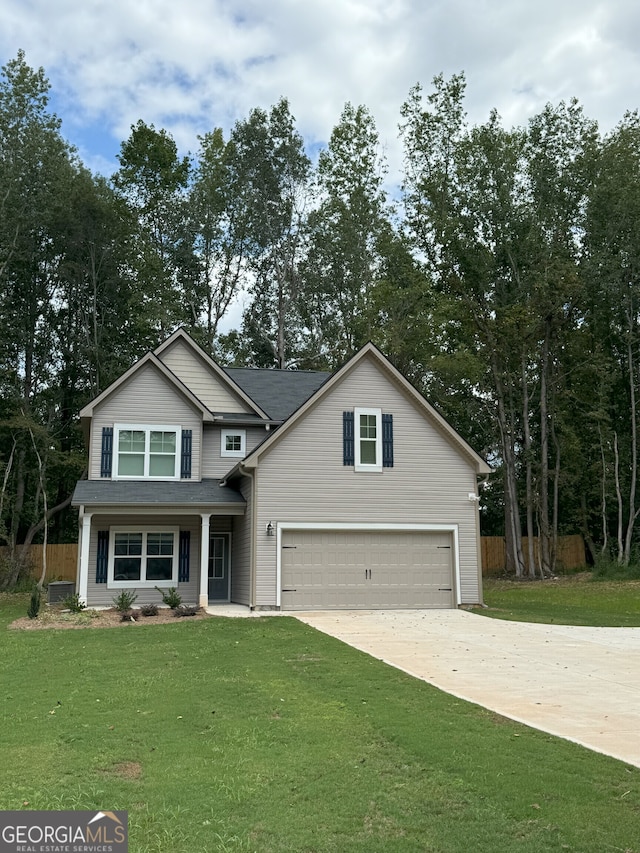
(282, 526)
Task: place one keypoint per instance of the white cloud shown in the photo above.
(203, 63)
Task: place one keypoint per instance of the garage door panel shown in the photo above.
(366, 570)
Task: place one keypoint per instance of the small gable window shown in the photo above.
(233, 442)
(147, 452)
(368, 439)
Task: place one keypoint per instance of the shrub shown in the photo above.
(124, 601)
(171, 597)
(185, 610)
(74, 604)
(149, 610)
(611, 570)
(34, 603)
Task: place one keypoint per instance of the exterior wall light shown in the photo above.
(270, 529)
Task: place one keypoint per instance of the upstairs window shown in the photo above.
(144, 452)
(368, 439)
(233, 442)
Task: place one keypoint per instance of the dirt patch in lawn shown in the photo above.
(125, 770)
(54, 618)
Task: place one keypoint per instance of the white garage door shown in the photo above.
(325, 570)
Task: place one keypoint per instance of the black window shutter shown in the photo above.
(387, 441)
(107, 452)
(102, 558)
(183, 556)
(185, 463)
(347, 439)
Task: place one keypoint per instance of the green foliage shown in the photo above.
(612, 570)
(171, 597)
(124, 601)
(149, 610)
(74, 603)
(506, 289)
(15, 575)
(34, 602)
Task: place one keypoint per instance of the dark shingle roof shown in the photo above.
(128, 492)
(278, 392)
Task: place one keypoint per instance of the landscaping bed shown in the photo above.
(53, 617)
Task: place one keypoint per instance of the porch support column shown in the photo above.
(203, 600)
(83, 574)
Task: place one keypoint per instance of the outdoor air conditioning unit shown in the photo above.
(59, 590)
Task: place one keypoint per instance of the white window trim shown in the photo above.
(142, 584)
(239, 454)
(364, 466)
(147, 428)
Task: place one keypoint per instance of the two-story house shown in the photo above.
(275, 489)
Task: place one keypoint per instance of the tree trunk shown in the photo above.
(529, 472)
(634, 456)
(513, 532)
(545, 563)
(603, 503)
(618, 495)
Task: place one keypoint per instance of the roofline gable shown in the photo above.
(182, 335)
(148, 359)
(371, 350)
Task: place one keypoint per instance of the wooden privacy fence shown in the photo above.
(571, 554)
(62, 559)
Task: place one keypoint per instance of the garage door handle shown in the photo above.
(289, 590)
(444, 589)
(290, 547)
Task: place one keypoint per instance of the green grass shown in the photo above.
(264, 735)
(570, 600)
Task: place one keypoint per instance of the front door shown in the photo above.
(219, 567)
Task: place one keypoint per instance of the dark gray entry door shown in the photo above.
(219, 567)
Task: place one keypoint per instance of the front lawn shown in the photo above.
(569, 600)
(265, 735)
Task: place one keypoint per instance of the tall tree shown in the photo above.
(612, 326)
(462, 202)
(348, 232)
(153, 180)
(220, 235)
(37, 169)
(269, 175)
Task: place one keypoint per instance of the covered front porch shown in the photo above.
(155, 543)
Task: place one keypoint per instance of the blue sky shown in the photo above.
(192, 66)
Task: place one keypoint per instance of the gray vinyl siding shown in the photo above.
(215, 465)
(201, 380)
(147, 398)
(101, 595)
(241, 550)
(302, 477)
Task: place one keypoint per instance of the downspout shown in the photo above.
(252, 560)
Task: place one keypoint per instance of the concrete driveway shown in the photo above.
(582, 684)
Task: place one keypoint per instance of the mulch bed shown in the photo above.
(50, 617)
